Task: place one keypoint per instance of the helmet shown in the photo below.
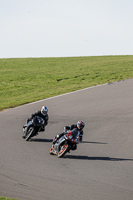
(44, 110)
(80, 125)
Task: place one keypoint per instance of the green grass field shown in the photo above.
(24, 80)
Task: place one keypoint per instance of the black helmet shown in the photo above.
(80, 125)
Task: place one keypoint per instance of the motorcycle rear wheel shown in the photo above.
(63, 150)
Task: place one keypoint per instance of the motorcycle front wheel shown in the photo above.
(29, 133)
(63, 149)
(51, 151)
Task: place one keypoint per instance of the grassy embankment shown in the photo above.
(25, 80)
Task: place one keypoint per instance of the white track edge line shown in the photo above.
(59, 95)
(64, 94)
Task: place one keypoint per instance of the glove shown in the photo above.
(65, 130)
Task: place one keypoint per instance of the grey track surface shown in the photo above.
(102, 166)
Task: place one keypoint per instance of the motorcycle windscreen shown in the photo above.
(38, 121)
(75, 133)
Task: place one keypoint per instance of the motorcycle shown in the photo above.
(64, 144)
(33, 127)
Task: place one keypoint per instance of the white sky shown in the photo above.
(65, 28)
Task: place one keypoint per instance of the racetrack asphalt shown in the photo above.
(102, 166)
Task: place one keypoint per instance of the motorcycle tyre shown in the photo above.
(51, 151)
(61, 153)
(29, 135)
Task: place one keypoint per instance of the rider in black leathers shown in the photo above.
(73, 129)
(41, 113)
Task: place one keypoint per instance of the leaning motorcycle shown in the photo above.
(64, 144)
(33, 127)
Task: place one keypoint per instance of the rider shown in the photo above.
(74, 128)
(41, 113)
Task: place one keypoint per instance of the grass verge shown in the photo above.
(25, 80)
(4, 198)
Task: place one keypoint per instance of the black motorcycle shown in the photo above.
(32, 128)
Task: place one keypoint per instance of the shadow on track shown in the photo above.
(96, 158)
(41, 140)
(94, 142)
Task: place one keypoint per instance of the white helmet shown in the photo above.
(44, 110)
